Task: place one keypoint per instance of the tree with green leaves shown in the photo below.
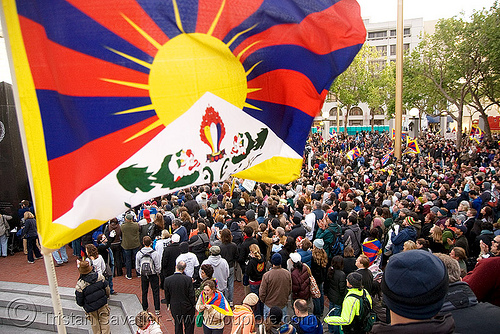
(448, 67)
(483, 42)
(380, 88)
(351, 87)
(418, 91)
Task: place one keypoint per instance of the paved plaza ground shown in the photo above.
(17, 269)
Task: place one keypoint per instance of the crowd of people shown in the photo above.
(410, 245)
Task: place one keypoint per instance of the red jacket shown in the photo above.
(301, 283)
(484, 280)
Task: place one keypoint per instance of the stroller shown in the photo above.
(14, 243)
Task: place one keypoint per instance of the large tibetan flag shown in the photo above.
(218, 302)
(353, 154)
(125, 100)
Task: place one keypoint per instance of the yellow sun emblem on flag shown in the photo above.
(185, 68)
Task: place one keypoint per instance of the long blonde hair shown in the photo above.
(320, 257)
(437, 234)
(255, 250)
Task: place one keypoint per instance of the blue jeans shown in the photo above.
(230, 285)
(259, 308)
(60, 258)
(130, 259)
(110, 280)
(3, 244)
(319, 303)
(267, 309)
(336, 312)
(77, 247)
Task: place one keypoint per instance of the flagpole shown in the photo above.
(338, 115)
(399, 81)
(54, 292)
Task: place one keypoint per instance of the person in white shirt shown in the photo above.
(163, 242)
(189, 258)
(95, 259)
(310, 221)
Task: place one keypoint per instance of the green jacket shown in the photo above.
(328, 236)
(350, 308)
(130, 235)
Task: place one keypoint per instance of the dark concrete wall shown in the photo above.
(14, 185)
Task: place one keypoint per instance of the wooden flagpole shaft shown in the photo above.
(398, 124)
(54, 293)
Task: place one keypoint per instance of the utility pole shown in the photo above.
(399, 81)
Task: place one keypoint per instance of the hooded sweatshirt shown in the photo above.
(354, 233)
(243, 319)
(221, 270)
(307, 325)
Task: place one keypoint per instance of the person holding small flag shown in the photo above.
(215, 308)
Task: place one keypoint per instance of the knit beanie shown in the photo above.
(319, 243)
(410, 220)
(333, 216)
(275, 315)
(355, 279)
(184, 247)
(415, 284)
(251, 299)
(276, 259)
(250, 214)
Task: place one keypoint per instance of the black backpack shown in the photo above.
(367, 316)
(337, 246)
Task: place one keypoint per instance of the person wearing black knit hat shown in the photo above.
(350, 319)
(414, 286)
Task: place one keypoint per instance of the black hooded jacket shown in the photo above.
(92, 291)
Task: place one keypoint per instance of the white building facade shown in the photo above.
(382, 36)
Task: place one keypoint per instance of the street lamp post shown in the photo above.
(414, 114)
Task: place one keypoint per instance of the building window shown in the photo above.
(378, 122)
(333, 112)
(393, 50)
(379, 64)
(406, 47)
(377, 34)
(406, 32)
(356, 111)
(355, 123)
(331, 97)
(382, 50)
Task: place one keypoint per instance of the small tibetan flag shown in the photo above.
(386, 157)
(372, 249)
(218, 302)
(353, 154)
(413, 146)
